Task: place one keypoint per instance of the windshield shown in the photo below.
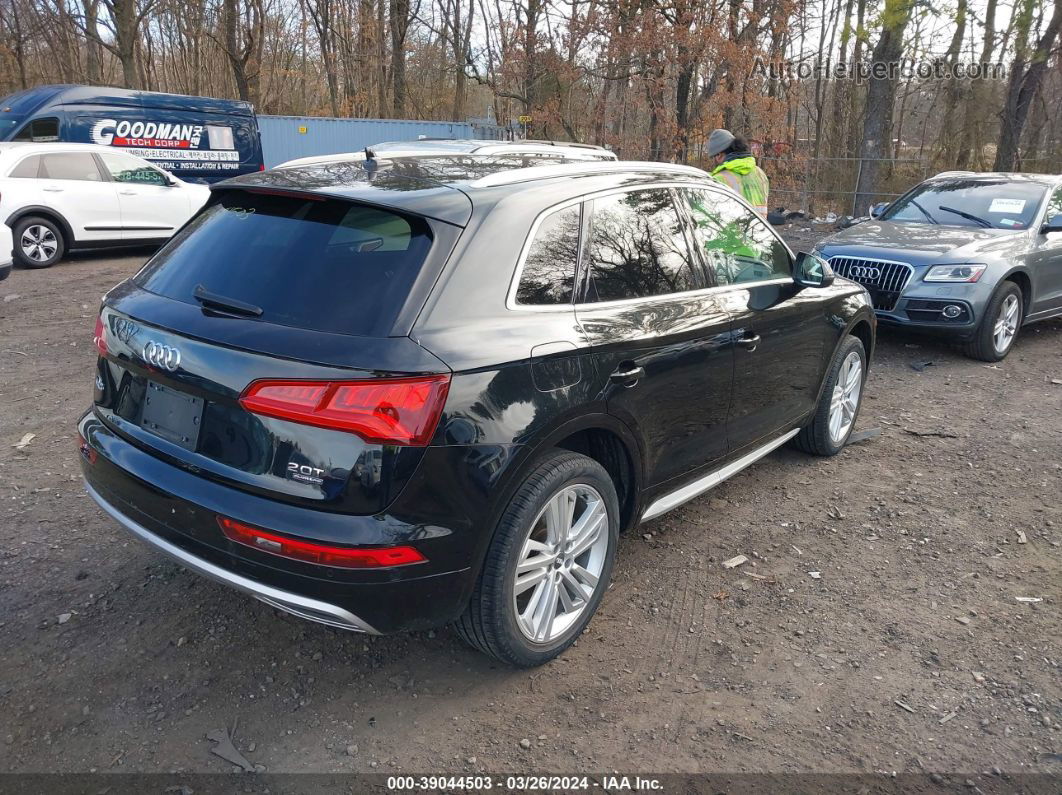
(989, 204)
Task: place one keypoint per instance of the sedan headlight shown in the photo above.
(967, 272)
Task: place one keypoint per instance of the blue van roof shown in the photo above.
(27, 102)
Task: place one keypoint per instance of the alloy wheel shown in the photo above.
(844, 402)
(39, 243)
(560, 563)
(1006, 328)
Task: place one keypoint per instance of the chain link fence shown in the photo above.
(818, 186)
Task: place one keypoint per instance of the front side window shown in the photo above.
(130, 170)
(549, 268)
(80, 166)
(738, 245)
(638, 248)
(39, 130)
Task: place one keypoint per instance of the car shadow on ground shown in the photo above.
(86, 256)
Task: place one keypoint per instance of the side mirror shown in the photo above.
(877, 210)
(811, 270)
(1052, 224)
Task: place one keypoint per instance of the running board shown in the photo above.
(713, 479)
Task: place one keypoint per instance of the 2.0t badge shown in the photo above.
(162, 356)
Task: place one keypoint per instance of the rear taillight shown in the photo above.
(97, 337)
(383, 411)
(321, 554)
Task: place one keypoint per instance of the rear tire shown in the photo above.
(1000, 325)
(39, 242)
(838, 408)
(545, 572)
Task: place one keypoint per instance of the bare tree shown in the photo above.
(1026, 75)
(881, 94)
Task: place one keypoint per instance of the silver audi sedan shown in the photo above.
(974, 256)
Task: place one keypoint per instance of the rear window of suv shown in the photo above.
(325, 265)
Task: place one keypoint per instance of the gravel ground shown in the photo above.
(876, 626)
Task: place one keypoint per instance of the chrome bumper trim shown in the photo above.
(713, 479)
(301, 606)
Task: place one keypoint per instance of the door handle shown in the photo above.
(52, 190)
(128, 192)
(750, 342)
(628, 376)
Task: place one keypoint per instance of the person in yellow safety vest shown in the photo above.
(736, 168)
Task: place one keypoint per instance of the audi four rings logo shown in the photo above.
(162, 355)
(865, 272)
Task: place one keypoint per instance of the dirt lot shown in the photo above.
(875, 628)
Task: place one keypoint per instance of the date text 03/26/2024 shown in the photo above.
(536, 783)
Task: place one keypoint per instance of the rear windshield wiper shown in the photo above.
(968, 216)
(224, 304)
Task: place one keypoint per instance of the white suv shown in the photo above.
(56, 197)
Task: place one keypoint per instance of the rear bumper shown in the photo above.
(175, 512)
(302, 606)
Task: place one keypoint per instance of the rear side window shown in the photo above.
(548, 275)
(40, 130)
(27, 168)
(79, 166)
(638, 248)
(324, 265)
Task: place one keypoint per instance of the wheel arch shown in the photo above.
(863, 329)
(48, 214)
(597, 435)
(863, 326)
(1021, 277)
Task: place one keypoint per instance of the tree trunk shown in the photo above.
(954, 89)
(855, 94)
(93, 56)
(381, 62)
(399, 27)
(1024, 83)
(881, 95)
(972, 138)
(231, 13)
(123, 12)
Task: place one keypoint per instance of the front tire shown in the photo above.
(39, 242)
(1000, 325)
(548, 565)
(838, 408)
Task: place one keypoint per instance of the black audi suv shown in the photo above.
(391, 394)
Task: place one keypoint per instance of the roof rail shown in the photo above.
(955, 174)
(515, 175)
(575, 144)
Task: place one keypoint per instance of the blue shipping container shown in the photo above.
(288, 137)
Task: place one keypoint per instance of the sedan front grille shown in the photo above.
(884, 279)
